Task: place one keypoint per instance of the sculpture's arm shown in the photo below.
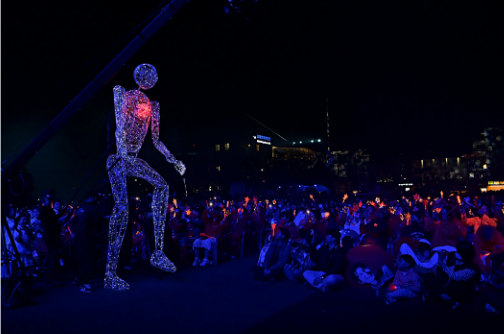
(179, 166)
(118, 102)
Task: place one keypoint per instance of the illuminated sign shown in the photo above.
(495, 182)
(405, 184)
(263, 139)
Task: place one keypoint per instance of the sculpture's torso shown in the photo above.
(133, 124)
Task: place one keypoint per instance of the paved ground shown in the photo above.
(225, 299)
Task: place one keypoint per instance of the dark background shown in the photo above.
(399, 76)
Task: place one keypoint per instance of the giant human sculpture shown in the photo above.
(134, 112)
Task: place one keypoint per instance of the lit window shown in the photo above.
(218, 168)
(217, 147)
(248, 145)
(226, 146)
(257, 147)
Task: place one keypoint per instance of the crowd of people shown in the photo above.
(441, 247)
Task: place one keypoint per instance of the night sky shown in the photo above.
(399, 75)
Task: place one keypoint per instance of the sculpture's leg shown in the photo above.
(118, 222)
(159, 204)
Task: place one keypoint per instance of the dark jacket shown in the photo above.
(51, 226)
(277, 256)
(331, 261)
(85, 219)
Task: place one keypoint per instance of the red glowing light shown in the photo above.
(143, 110)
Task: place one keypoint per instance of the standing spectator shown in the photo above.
(52, 231)
(86, 216)
(23, 237)
(40, 250)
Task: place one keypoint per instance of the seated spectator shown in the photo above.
(347, 243)
(481, 220)
(330, 259)
(275, 258)
(414, 230)
(355, 222)
(424, 262)
(232, 241)
(456, 279)
(301, 259)
(293, 230)
(445, 232)
(487, 242)
(204, 241)
(378, 229)
(264, 251)
(349, 233)
(406, 284)
(412, 243)
(374, 263)
(201, 242)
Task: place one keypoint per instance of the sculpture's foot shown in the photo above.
(160, 261)
(112, 282)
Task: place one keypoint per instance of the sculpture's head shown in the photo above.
(145, 76)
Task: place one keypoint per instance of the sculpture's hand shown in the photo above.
(180, 167)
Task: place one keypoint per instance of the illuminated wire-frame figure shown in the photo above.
(134, 111)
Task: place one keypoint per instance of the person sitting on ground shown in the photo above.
(456, 279)
(424, 262)
(275, 258)
(369, 265)
(301, 259)
(406, 284)
(330, 259)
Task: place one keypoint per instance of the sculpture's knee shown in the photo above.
(163, 188)
(120, 209)
(112, 161)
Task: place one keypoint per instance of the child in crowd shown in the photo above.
(406, 283)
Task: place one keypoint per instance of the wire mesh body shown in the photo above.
(134, 113)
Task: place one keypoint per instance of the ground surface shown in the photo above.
(225, 299)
